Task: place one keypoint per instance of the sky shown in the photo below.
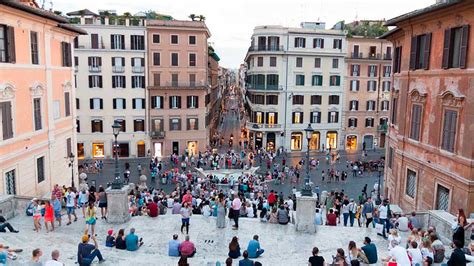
(231, 22)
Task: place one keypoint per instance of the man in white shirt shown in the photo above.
(415, 254)
(70, 205)
(54, 259)
(236, 204)
(402, 222)
(398, 254)
(383, 213)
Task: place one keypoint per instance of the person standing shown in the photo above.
(236, 205)
(368, 212)
(70, 205)
(102, 203)
(57, 208)
(90, 218)
(83, 201)
(48, 216)
(37, 215)
(221, 211)
(186, 213)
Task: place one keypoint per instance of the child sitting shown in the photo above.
(110, 240)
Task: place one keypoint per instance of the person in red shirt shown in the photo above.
(271, 198)
(188, 197)
(187, 248)
(152, 208)
(331, 218)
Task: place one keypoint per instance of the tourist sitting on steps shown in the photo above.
(4, 224)
(370, 251)
(86, 252)
(120, 240)
(187, 248)
(246, 261)
(173, 246)
(132, 242)
(110, 239)
(254, 249)
(234, 248)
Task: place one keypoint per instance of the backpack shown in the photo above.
(29, 209)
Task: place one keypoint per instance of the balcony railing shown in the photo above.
(251, 125)
(138, 69)
(171, 84)
(263, 87)
(266, 48)
(387, 56)
(95, 69)
(157, 134)
(375, 56)
(118, 69)
(382, 128)
(356, 55)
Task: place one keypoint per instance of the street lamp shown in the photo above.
(380, 169)
(71, 164)
(306, 189)
(117, 183)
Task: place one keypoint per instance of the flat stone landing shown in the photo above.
(282, 244)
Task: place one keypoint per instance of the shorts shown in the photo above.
(102, 204)
(57, 214)
(185, 220)
(83, 204)
(70, 210)
(91, 221)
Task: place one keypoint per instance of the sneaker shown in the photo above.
(101, 261)
(68, 223)
(15, 231)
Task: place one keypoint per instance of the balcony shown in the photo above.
(118, 69)
(266, 48)
(382, 128)
(138, 69)
(263, 87)
(95, 69)
(179, 85)
(157, 134)
(387, 56)
(261, 127)
(356, 55)
(374, 56)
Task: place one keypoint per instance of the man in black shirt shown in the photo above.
(316, 260)
(458, 258)
(86, 252)
(4, 224)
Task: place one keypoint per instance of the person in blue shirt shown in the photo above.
(246, 261)
(57, 208)
(253, 248)
(318, 219)
(173, 247)
(132, 242)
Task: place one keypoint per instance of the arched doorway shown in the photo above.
(331, 140)
(351, 142)
(271, 141)
(314, 141)
(368, 142)
(258, 140)
(141, 151)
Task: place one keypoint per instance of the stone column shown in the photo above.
(305, 213)
(117, 205)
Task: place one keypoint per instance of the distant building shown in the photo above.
(178, 86)
(110, 75)
(367, 92)
(37, 95)
(295, 77)
(430, 147)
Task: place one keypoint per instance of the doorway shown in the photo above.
(258, 140)
(314, 141)
(382, 140)
(368, 142)
(331, 140)
(351, 142)
(123, 150)
(192, 148)
(175, 147)
(158, 146)
(141, 149)
(271, 141)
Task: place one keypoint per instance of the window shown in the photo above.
(410, 188)
(174, 39)
(397, 60)
(272, 100)
(94, 63)
(273, 61)
(318, 43)
(300, 42)
(192, 124)
(370, 106)
(156, 79)
(118, 82)
(67, 104)
(157, 102)
(372, 71)
(10, 182)
(139, 125)
(258, 117)
(390, 157)
(442, 198)
(337, 44)
(157, 125)
(118, 64)
(96, 126)
(175, 124)
(37, 113)
(76, 61)
(137, 42)
(385, 105)
(355, 85)
(192, 40)
(333, 99)
(272, 81)
(420, 51)
(333, 117)
(138, 82)
(260, 61)
(257, 99)
(78, 101)
(416, 114)
(297, 118)
(122, 123)
(66, 54)
(192, 101)
(335, 80)
(192, 59)
(373, 52)
(95, 81)
(68, 146)
(352, 122)
(174, 59)
(369, 122)
(296, 141)
(449, 130)
(371, 85)
(175, 102)
(34, 47)
(40, 169)
(298, 99)
(387, 70)
(386, 86)
(272, 118)
(316, 99)
(96, 104)
(94, 41)
(315, 117)
(355, 70)
(174, 80)
(317, 62)
(138, 104)
(7, 44)
(354, 105)
(119, 103)
(317, 80)
(388, 53)
(138, 64)
(455, 47)
(394, 110)
(156, 59)
(299, 80)
(156, 38)
(299, 62)
(117, 41)
(7, 120)
(335, 63)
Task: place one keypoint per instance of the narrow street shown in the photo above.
(231, 124)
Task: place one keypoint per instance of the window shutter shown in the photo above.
(368, 70)
(464, 42)
(414, 44)
(114, 103)
(452, 130)
(11, 44)
(311, 117)
(101, 104)
(355, 122)
(161, 101)
(426, 59)
(197, 101)
(113, 61)
(95, 41)
(153, 101)
(322, 43)
(67, 104)
(123, 61)
(293, 117)
(337, 117)
(376, 71)
(357, 85)
(368, 85)
(91, 104)
(399, 60)
(329, 117)
(99, 61)
(7, 125)
(114, 83)
(122, 38)
(124, 103)
(446, 48)
(301, 117)
(100, 81)
(188, 101)
(90, 81)
(112, 42)
(133, 62)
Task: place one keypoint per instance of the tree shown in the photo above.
(127, 14)
(192, 17)
(366, 29)
(202, 18)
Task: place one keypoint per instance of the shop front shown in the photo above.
(314, 141)
(258, 140)
(98, 150)
(158, 149)
(80, 150)
(331, 140)
(141, 150)
(351, 142)
(192, 148)
(271, 138)
(296, 141)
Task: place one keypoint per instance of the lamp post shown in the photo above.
(117, 183)
(71, 164)
(306, 189)
(380, 169)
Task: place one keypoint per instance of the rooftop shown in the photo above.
(423, 11)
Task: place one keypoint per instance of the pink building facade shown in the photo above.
(36, 100)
